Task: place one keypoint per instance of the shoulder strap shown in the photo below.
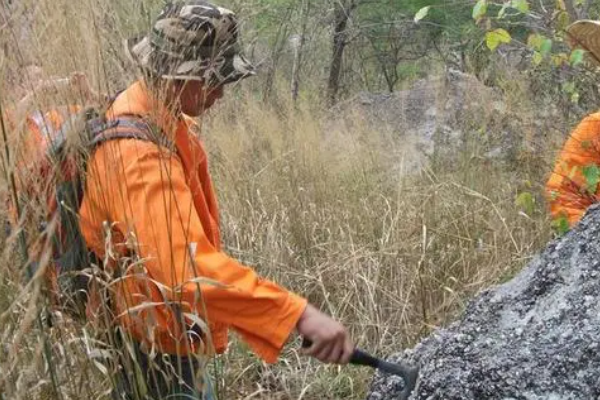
(127, 127)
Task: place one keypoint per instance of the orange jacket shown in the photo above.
(161, 203)
(568, 191)
(41, 128)
(30, 143)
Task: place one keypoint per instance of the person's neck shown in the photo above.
(162, 106)
(165, 97)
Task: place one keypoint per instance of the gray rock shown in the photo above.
(438, 116)
(535, 337)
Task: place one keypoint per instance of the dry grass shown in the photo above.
(393, 256)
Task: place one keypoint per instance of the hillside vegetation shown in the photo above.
(336, 211)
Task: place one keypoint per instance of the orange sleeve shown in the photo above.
(145, 192)
(568, 191)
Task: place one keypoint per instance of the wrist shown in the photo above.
(307, 313)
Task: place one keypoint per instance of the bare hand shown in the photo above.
(330, 340)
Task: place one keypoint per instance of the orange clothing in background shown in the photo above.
(568, 190)
(29, 144)
(161, 203)
(38, 133)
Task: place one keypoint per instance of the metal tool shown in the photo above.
(408, 373)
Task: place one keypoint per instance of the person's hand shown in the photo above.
(330, 342)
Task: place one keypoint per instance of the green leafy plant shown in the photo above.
(494, 38)
(422, 13)
(480, 9)
(526, 202)
(592, 178)
(561, 225)
(509, 22)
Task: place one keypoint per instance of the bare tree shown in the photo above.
(276, 52)
(396, 42)
(342, 13)
(297, 42)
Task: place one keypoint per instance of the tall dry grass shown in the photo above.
(327, 215)
(392, 256)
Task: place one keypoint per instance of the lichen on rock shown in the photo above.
(535, 337)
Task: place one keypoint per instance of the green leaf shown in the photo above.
(576, 57)
(521, 5)
(495, 37)
(526, 202)
(422, 13)
(535, 41)
(559, 59)
(561, 225)
(568, 87)
(480, 9)
(546, 47)
(563, 20)
(592, 178)
(537, 58)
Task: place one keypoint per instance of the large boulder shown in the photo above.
(440, 115)
(535, 337)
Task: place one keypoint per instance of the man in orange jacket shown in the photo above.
(574, 183)
(158, 202)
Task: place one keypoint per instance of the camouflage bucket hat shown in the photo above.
(192, 40)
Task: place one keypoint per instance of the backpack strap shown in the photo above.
(69, 194)
(126, 127)
(70, 251)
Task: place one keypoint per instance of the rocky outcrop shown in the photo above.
(535, 337)
(439, 115)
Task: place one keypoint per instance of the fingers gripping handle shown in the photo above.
(408, 373)
(359, 357)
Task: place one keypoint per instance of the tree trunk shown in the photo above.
(296, 44)
(278, 47)
(272, 67)
(340, 39)
(299, 49)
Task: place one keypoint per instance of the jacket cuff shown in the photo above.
(281, 332)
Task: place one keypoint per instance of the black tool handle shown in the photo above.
(407, 372)
(358, 357)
